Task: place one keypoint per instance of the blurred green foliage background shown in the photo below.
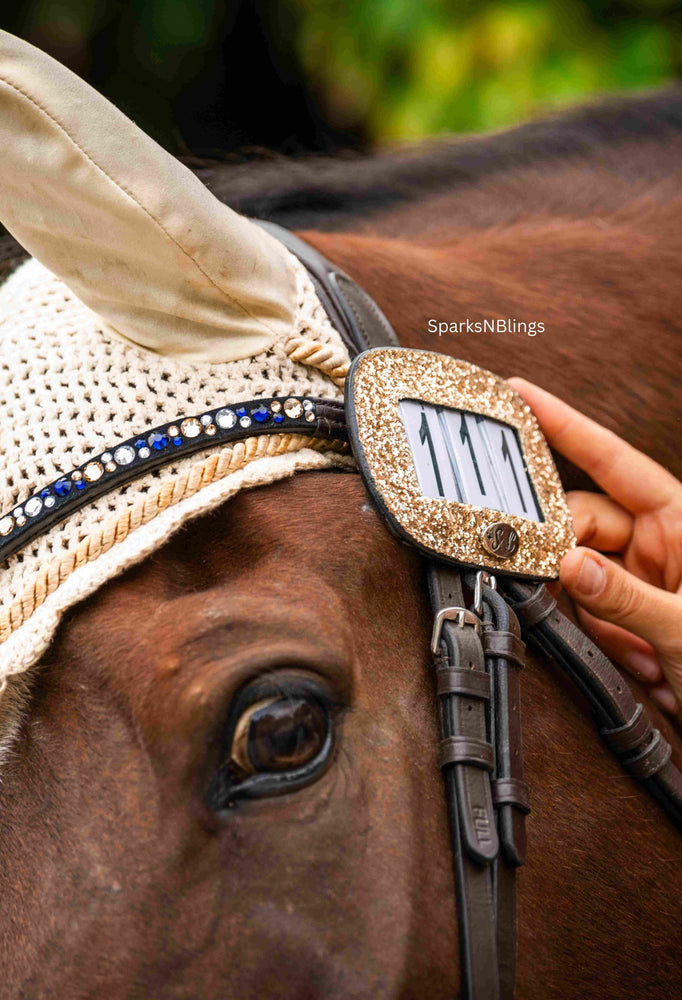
(409, 69)
(209, 77)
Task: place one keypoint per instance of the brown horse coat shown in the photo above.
(118, 882)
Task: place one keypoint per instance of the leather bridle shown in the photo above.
(478, 654)
(477, 648)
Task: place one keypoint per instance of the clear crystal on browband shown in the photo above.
(124, 455)
(226, 419)
(33, 506)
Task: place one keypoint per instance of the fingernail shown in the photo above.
(665, 698)
(642, 665)
(591, 578)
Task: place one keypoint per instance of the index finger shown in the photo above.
(637, 482)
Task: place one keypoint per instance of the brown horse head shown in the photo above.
(290, 623)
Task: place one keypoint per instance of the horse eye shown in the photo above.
(278, 737)
(278, 734)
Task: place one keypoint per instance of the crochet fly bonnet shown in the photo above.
(152, 330)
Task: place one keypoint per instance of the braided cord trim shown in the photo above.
(325, 357)
(200, 474)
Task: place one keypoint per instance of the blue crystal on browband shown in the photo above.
(157, 441)
(118, 464)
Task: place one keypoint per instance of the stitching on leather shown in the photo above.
(353, 309)
(128, 194)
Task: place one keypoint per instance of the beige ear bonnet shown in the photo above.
(147, 301)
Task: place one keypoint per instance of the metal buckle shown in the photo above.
(461, 615)
(481, 578)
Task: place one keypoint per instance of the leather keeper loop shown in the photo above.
(651, 760)
(632, 735)
(505, 645)
(536, 608)
(466, 750)
(511, 791)
(472, 683)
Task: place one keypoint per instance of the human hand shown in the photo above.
(628, 584)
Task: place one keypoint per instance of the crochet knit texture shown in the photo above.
(69, 390)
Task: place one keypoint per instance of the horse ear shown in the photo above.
(131, 231)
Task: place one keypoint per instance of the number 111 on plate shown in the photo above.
(468, 458)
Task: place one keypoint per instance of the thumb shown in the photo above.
(611, 593)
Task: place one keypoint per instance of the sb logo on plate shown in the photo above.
(500, 539)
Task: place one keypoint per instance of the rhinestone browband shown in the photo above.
(154, 448)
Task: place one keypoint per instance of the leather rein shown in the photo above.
(478, 653)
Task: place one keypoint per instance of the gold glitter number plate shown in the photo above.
(451, 530)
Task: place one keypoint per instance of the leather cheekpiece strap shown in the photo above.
(472, 683)
(466, 757)
(511, 791)
(466, 750)
(505, 644)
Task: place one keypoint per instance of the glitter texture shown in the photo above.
(381, 378)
